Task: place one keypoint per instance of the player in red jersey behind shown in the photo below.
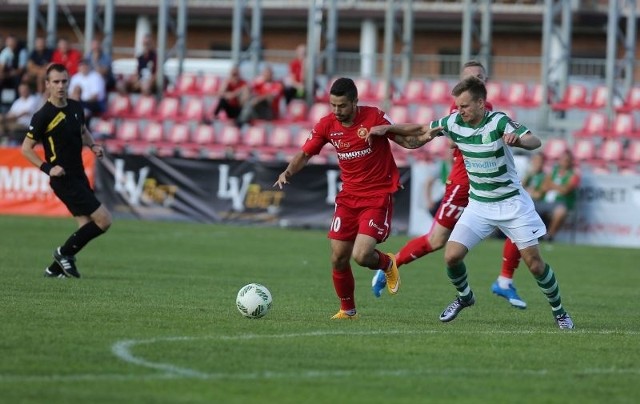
(455, 199)
(370, 177)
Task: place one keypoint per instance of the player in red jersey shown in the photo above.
(455, 199)
(370, 177)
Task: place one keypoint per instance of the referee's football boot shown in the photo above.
(455, 308)
(67, 263)
(54, 271)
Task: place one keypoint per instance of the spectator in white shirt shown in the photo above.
(88, 87)
(15, 122)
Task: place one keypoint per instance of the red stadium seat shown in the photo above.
(151, 138)
(119, 105)
(631, 101)
(297, 111)
(144, 107)
(168, 109)
(517, 95)
(596, 124)
(414, 92)
(399, 114)
(575, 96)
(127, 131)
(103, 128)
(280, 142)
(495, 92)
(318, 111)
(365, 89)
(255, 143)
(208, 85)
(193, 110)
(424, 114)
(553, 148)
(611, 153)
(230, 137)
(439, 93)
(380, 90)
(185, 84)
(204, 144)
(598, 98)
(584, 152)
(178, 135)
(623, 126)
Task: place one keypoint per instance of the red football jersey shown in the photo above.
(366, 169)
(458, 174)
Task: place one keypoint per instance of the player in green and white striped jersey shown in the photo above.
(497, 198)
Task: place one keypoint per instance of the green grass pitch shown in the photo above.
(153, 320)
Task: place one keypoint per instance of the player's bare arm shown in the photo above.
(87, 140)
(413, 141)
(409, 136)
(29, 153)
(528, 141)
(296, 164)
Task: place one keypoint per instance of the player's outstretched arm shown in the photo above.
(296, 164)
(528, 141)
(413, 142)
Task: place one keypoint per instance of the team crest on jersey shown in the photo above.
(362, 133)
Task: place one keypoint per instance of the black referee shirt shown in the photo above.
(60, 132)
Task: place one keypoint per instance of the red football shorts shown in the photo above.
(455, 199)
(357, 215)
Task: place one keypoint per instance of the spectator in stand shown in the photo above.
(101, 63)
(145, 79)
(261, 100)
(66, 56)
(13, 64)
(294, 83)
(39, 59)
(230, 93)
(15, 122)
(88, 87)
(533, 180)
(561, 194)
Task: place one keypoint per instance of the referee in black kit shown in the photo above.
(59, 125)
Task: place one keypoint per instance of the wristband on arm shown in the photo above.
(46, 167)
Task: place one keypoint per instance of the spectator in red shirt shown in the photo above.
(262, 99)
(294, 83)
(229, 94)
(370, 177)
(66, 56)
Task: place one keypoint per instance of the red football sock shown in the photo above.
(510, 259)
(414, 249)
(345, 286)
(383, 261)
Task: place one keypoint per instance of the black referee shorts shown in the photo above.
(76, 193)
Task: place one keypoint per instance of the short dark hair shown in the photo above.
(473, 63)
(344, 87)
(473, 85)
(55, 67)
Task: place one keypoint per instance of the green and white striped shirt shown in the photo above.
(488, 161)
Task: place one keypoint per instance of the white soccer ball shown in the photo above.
(254, 300)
